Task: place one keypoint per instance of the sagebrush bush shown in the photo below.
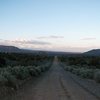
(32, 71)
(86, 73)
(20, 72)
(38, 70)
(7, 78)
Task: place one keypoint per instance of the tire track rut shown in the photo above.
(65, 89)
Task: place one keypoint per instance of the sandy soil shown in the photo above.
(55, 84)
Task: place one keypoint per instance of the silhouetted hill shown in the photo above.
(9, 49)
(94, 52)
(13, 49)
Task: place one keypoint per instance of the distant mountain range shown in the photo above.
(13, 49)
(94, 52)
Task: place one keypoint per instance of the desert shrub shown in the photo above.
(97, 75)
(38, 70)
(32, 71)
(83, 72)
(20, 72)
(7, 78)
(86, 73)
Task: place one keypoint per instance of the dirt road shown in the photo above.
(56, 84)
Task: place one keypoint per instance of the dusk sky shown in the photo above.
(55, 25)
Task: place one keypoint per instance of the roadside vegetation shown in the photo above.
(16, 68)
(83, 66)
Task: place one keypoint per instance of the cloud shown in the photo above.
(24, 43)
(88, 38)
(50, 37)
(31, 42)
